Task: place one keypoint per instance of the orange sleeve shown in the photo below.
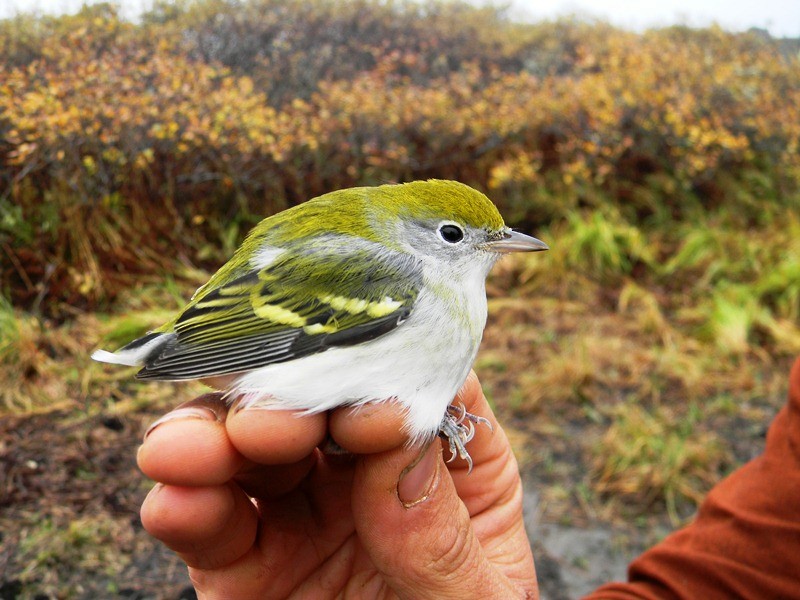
(745, 540)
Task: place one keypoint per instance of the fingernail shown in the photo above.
(418, 479)
(185, 412)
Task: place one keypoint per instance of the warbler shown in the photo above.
(360, 295)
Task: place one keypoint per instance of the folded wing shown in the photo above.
(307, 300)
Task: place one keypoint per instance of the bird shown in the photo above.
(360, 295)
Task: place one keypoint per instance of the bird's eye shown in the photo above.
(451, 233)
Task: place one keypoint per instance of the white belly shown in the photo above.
(421, 364)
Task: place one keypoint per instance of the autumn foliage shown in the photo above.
(127, 149)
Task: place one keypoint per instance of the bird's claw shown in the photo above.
(458, 427)
(462, 413)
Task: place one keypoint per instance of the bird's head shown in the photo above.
(445, 221)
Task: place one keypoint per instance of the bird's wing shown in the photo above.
(304, 302)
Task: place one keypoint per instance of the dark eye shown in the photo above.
(451, 233)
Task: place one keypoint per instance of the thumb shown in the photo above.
(416, 529)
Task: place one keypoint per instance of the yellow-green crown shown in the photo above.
(440, 200)
(357, 211)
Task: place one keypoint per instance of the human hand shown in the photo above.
(256, 511)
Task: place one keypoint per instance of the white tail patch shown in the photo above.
(132, 357)
(122, 358)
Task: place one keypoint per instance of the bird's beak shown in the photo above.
(514, 241)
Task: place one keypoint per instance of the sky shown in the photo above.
(780, 17)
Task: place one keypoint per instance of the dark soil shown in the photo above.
(69, 511)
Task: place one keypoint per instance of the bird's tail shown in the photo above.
(137, 352)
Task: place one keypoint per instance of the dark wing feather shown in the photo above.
(336, 293)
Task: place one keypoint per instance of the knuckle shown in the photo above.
(453, 552)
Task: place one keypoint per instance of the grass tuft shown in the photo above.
(647, 457)
(90, 544)
(24, 363)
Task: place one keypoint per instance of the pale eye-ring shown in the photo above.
(451, 233)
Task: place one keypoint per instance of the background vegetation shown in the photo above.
(637, 362)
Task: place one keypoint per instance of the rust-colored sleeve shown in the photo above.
(745, 541)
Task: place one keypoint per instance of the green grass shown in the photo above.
(603, 244)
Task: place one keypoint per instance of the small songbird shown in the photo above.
(360, 295)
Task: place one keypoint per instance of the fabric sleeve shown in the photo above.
(745, 540)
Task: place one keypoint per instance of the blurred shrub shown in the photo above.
(305, 42)
(127, 148)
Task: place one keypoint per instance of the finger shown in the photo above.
(270, 481)
(208, 527)
(369, 428)
(298, 535)
(491, 453)
(268, 436)
(189, 446)
(438, 546)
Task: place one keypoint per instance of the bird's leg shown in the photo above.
(458, 428)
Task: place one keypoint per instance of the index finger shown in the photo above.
(203, 443)
(189, 446)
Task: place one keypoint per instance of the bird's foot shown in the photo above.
(458, 428)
